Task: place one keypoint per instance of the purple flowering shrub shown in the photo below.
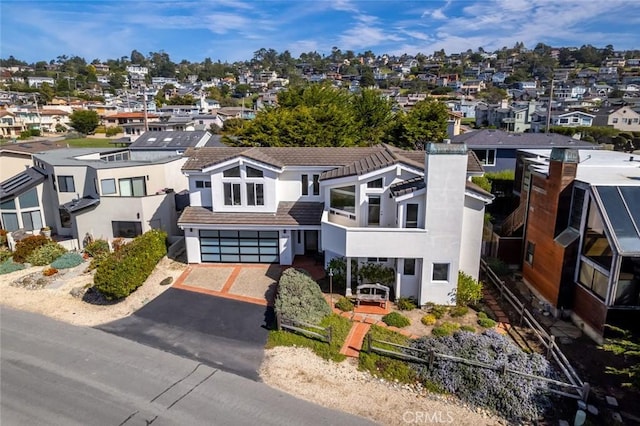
(510, 395)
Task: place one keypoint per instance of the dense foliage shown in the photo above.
(469, 290)
(123, 271)
(406, 303)
(376, 273)
(300, 299)
(84, 121)
(28, 245)
(396, 319)
(344, 304)
(445, 329)
(46, 254)
(96, 248)
(515, 397)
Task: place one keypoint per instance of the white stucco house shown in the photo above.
(415, 211)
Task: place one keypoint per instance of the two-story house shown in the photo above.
(582, 234)
(98, 192)
(415, 211)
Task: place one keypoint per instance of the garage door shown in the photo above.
(239, 246)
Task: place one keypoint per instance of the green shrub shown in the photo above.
(518, 400)
(376, 273)
(340, 328)
(429, 319)
(96, 248)
(123, 271)
(486, 322)
(482, 315)
(500, 268)
(406, 304)
(344, 304)
(445, 329)
(5, 253)
(396, 319)
(67, 260)
(46, 254)
(438, 311)
(458, 311)
(469, 328)
(27, 245)
(300, 299)
(469, 290)
(3, 238)
(113, 130)
(9, 266)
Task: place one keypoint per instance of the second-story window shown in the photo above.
(108, 186)
(316, 184)
(255, 194)
(132, 187)
(65, 183)
(305, 184)
(203, 184)
(232, 194)
(411, 216)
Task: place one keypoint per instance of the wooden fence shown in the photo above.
(430, 357)
(547, 340)
(306, 329)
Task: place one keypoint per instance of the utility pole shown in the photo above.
(549, 109)
(146, 118)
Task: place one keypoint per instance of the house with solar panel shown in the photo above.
(101, 193)
(415, 211)
(581, 251)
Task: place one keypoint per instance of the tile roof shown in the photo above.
(288, 214)
(19, 183)
(407, 186)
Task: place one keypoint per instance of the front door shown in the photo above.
(310, 242)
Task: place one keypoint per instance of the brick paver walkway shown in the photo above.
(355, 338)
(502, 318)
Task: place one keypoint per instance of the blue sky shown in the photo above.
(230, 30)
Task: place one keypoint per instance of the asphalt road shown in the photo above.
(222, 333)
(53, 373)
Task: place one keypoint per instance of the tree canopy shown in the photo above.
(321, 115)
(84, 121)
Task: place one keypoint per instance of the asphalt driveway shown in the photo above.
(224, 333)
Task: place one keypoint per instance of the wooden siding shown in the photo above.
(589, 308)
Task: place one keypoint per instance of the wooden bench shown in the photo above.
(372, 293)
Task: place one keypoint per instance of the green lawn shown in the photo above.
(88, 143)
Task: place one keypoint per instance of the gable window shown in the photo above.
(255, 194)
(65, 183)
(316, 184)
(254, 173)
(409, 267)
(231, 194)
(375, 183)
(411, 219)
(440, 272)
(486, 156)
(232, 172)
(343, 198)
(132, 187)
(203, 184)
(305, 184)
(29, 199)
(108, 186)
(531, 249)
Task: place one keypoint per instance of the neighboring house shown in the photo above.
(514, 118)
(179, 109)
(565, 119)
(133, 123)
(17, 157)
(497, 149)
(582, 234)
(625, 119)
(414, 211)
(38, 81)
(10, 125)
(98, 192)
(52, 118)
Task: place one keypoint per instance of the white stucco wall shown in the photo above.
(473, 221)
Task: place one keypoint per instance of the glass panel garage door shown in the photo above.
(239, 246)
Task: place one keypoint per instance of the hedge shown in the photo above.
(123, 271)
(300, 298)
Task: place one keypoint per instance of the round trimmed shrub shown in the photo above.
(458, 311)
(468, 328)
(406, 304)
(428, 319)
(344, 304)
(486, 322)
(445, 329)
(300, 298)
(67, 260)
(46, 254)
(396, 319)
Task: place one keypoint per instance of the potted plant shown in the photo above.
(46, 231)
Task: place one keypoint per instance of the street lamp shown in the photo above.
(331, 286)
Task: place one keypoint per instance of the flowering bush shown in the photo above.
(515, 397)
